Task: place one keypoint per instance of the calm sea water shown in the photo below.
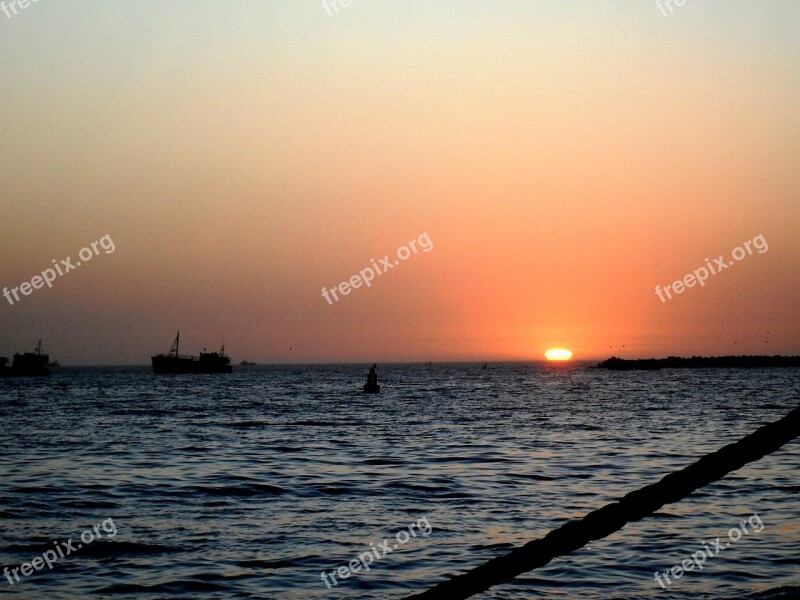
(251, 485)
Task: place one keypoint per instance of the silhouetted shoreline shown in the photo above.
(700, 362)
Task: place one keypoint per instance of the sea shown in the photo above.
(277, 481)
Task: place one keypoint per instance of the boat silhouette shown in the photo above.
(173, 362)
(29, 364)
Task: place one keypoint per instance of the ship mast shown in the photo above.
(176, 344)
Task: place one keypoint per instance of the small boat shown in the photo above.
(173, 362)
(29, 364)
(372, 387)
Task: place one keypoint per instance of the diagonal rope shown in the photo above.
(632, 507)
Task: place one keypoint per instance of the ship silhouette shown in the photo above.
(174, 362)
(29, 364)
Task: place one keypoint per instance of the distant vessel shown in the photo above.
(247, 363)
(207, 362)
(372, 387)
(29, 364)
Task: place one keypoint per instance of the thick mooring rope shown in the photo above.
(632, 507)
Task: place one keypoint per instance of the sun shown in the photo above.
(558, 354)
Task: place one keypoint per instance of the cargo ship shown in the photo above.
(174, 362)
(29, 364)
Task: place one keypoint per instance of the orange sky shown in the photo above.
(563, 159)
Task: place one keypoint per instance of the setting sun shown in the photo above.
(558, 354)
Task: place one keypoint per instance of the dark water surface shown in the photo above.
(250, 485)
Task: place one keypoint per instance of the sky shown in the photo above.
(562, 158)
